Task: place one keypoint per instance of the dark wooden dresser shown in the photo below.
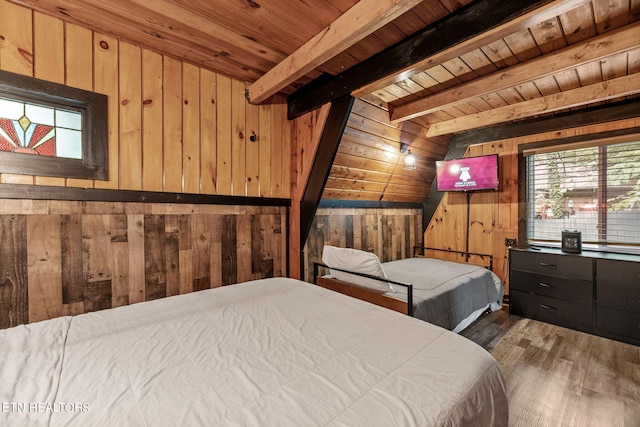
(593, 292)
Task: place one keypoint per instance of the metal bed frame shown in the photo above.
(317, 265)
(417, 251)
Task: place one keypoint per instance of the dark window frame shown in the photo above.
(94, 109)
(523, 193)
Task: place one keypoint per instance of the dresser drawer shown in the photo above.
(621, 323)
(551, 310)
(574, 267)
(578, 291)
(618, 297)
(618, 285)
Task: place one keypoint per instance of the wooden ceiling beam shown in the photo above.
(359, 21)
(593, 49)
(470, 27)
(518, 23)
(603, 91)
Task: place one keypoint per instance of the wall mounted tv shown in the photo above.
(468, 174)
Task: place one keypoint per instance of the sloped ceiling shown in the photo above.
(554, 57)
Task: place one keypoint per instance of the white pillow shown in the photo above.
(358, 262)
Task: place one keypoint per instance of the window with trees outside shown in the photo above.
(591, 187)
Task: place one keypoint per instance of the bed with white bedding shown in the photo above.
(445, 293)
(262, 353)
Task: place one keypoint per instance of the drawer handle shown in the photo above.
(551, 266)
(545, 285)
(547, 307)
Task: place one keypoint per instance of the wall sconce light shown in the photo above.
(409, 160)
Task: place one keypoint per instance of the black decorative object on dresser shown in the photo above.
(593, 292)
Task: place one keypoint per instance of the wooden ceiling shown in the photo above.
(245, 39)
(565, 54)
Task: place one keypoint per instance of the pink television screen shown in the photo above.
(468, 174)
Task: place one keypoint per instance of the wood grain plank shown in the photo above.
(14, 303)
(136, 258)
(252, 131)
(106, 81)
(224, 136)
(201, 242)
(16, 48)
(71, 259)
(191, 128)
(280, 163)
(78, 71)
(238, 140)
(97, 296)
(229, 248)
(216, 250)
(208, 131)
(49, 48)
(243, 248)
(172, 240)
(152, 115)
(155, 257)
(120, 266)
(130, 113)
(172, 124)
(96, 249)
(185, 254)
(78, 57)
(265, 140)
(287, 145)
(257, 244)
(44, 258)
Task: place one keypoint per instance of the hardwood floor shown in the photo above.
(561, 377)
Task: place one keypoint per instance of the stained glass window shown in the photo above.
(39, 129)
(49, 129)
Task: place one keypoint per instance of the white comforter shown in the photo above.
(272, 352)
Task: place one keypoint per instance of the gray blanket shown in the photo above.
(445, 293)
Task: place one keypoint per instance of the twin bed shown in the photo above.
(445, 293)
(262, 353)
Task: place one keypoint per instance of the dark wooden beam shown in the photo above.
(368, 204)
(43, 192)
(325, 154)
(467, 22)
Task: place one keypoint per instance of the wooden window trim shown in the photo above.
(93, 164)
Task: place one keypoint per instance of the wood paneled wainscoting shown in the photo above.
(70, 257)
(390, 233)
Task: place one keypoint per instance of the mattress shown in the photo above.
(262, 353)
(445, 293)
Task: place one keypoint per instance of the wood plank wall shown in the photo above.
(494, 215)
(307, 131)
(390, 233)
(71, 257)
(369, 165)
(173, 126)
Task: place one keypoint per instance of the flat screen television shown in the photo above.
(468, 174)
